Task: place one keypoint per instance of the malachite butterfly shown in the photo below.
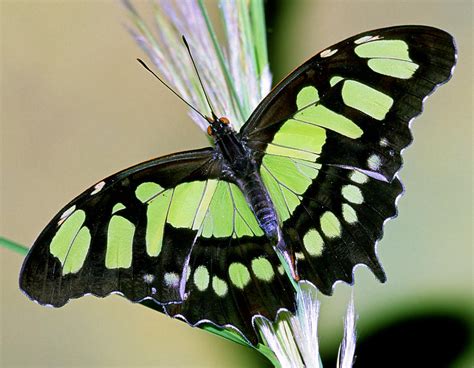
(308, 182)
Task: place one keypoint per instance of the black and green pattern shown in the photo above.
(193, 232)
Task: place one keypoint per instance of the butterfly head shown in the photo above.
(218, 126)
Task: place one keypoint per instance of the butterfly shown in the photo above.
(219, 235)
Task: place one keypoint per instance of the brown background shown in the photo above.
(76, 107)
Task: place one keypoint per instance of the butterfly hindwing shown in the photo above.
(338, 223)
(231, 280)
(332, 216)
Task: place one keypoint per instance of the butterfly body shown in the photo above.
(311, 177)
(242, 169)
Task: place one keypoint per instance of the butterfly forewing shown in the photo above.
(98, 243)
(363, 91)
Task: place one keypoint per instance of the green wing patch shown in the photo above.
(286, 179)
(215, 208)
(387, 57)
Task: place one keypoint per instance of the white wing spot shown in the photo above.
(352, 194)
(172, 279)
(148, 278)
(98, 187)
(349, 214)
(374, 162)
(330, 225)
(383, 142)
(366, 39)
(362, 39)
(299, 255)
(358, 177)
(201, 278)
(219, 286)
(153, 290)
(327, 53)
(66, 214)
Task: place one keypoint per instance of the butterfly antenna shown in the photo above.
(171, 89)
(199, 77)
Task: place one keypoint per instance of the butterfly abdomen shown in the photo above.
(261, 204)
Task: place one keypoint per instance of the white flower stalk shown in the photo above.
(236, 76)
(279, 338)
(347, 349)
(235, 73)
(294, 338)
(305, 325)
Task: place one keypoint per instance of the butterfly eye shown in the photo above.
(224, 120)
(209, 130)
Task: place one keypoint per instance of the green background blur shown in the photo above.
(76, 107)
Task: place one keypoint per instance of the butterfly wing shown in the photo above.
(333, 216)
(170, 230)
(233, 280)
(96, 244)
(329, 139)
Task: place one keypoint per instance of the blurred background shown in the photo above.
(76, 107)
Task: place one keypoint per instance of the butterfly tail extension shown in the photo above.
(287, 257)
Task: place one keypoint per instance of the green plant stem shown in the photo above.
(9, 244)
(257, 14)
(220, 57)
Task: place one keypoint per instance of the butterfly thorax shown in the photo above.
(242, 168)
